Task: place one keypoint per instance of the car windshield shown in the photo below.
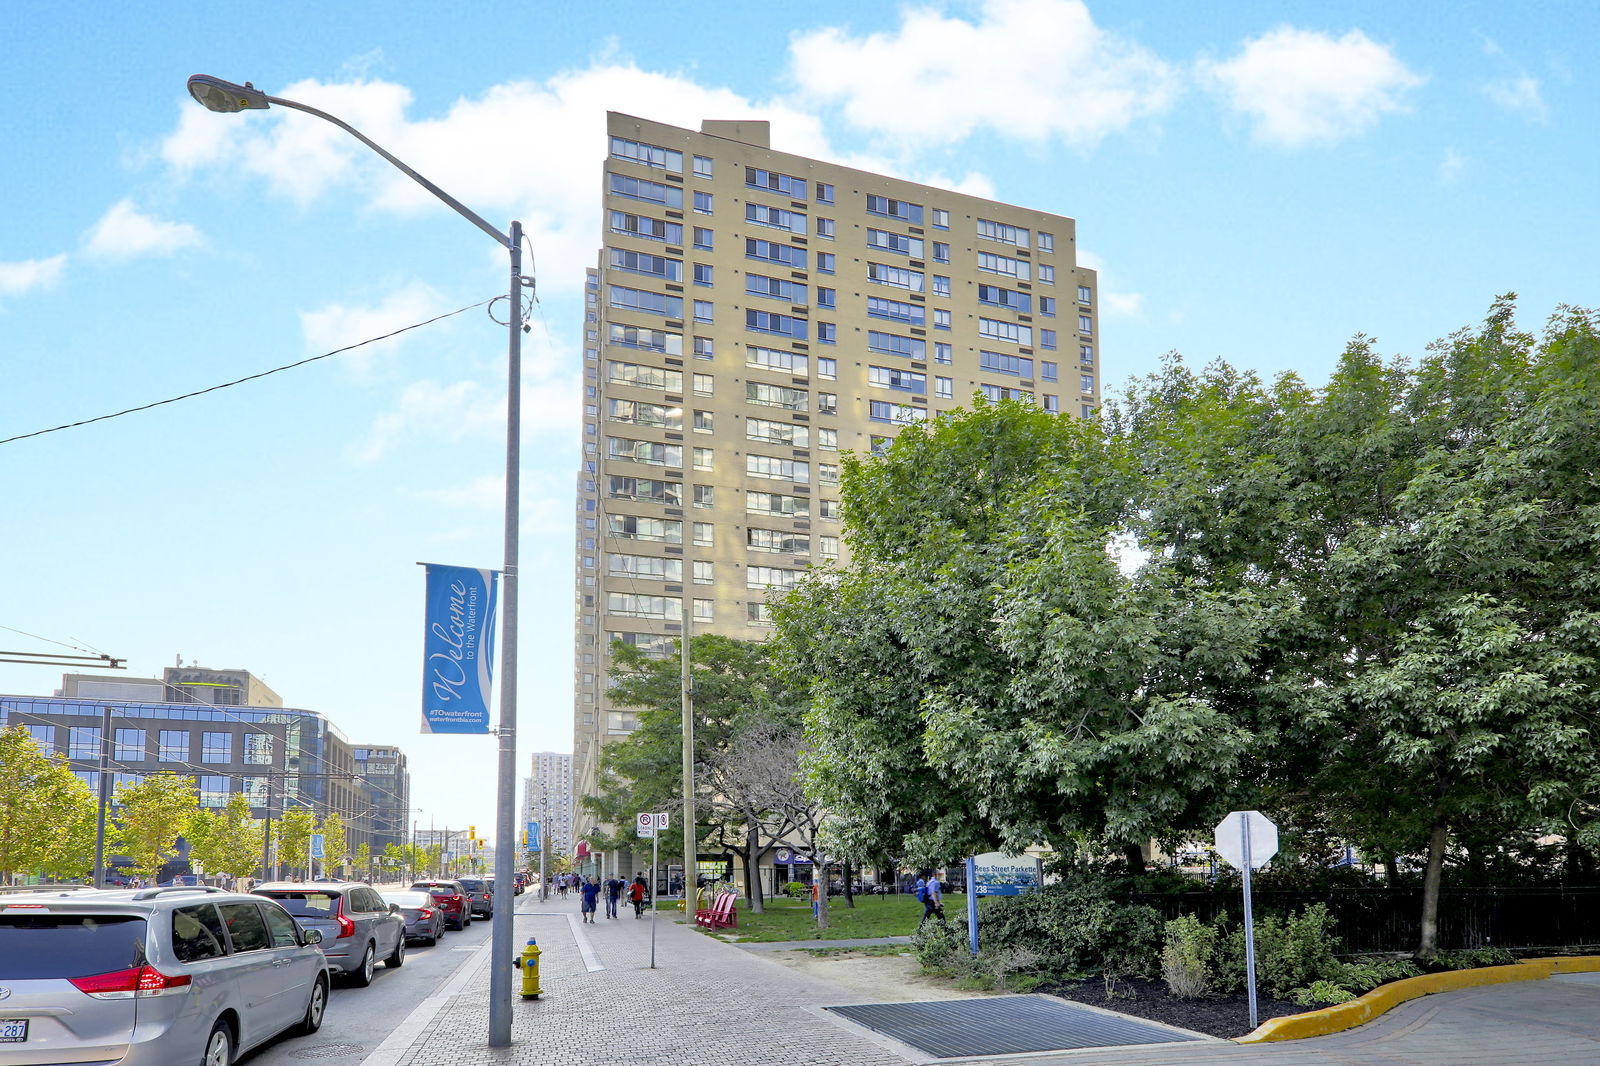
(408, 899)
(440, 890)
(472, 886)
(34, 946)
(306, 904)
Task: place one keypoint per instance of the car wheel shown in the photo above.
(315, 1008)
(398, 959)
(466, 921)
(362, 977)
(219, 1046)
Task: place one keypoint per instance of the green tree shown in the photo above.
(226, 841)
(363, 857)
(151, 815)
(291, 835)
(1428, 533)
(47, 815)
(334, 842)
(984, 674)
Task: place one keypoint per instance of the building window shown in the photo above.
(1085, 325)
(702, 311)
(1047, 306)
(900, 209)
(83, 742)
(1001, 363)
(941, 252)
(1005, 265)
(824, 193)
(1016, 236)
(702, 202)
(216, 747)
(702, 384)
(702, 572)
(757, 614)
(1047, 338)
(941, 218)
(891, 377)
(1086, 354)
(825, 261)
(825, 228)
(790, 292)
(827, 333)
(943, 353)
(650, 155)
(765, 429)
(828, 509)
(703, 458)
(827, 473)
(1047, 274)
(828, 439)
(828, 547)
(702, 166)
(644, 567)
(827, 403)
(645, 490)
(896, 310)
(640, 376)
(999, 296)
(703, 238)
(1086, 410)
(941, 318)
(772, 322)
(645, 228)
(174, 745)
(996, 329)
(775, 218)
(703, 534)
(1052, 403)
(775, 468)
(761, 577)
(828, 368)
(895, 344)
(705, 496)
(1084, 294)
(632, 605)
(759, 392)
(895, 277)
(650, 340)
(827, 297)
(1047, 241)
(129, 745)
(652, 303)
(1086, 382)
(641, 527)
(1047, 370)
(772, 181)
(774, 359)
(213, 790)
(941, 285)
(639, 413)
(900, 414)
(944, 388)
(885, 240)
(704, 348)
(702, 421)
(650, 192)
(44, 736)
(772, 503)
(702, 273)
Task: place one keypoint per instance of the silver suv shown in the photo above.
(154, 975)
(358, 926)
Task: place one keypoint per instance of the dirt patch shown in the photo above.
(886, 978)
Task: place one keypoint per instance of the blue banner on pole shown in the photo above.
(458, 649)
(533, 836)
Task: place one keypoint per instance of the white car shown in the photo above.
(157, 975)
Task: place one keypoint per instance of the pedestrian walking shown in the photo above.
(925, 897)
(561, 885)
(636, 894)
(614, 887)
(936, 894)
(591, 893)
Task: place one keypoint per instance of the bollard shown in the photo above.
(529, 961)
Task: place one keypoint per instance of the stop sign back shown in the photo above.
(1263, 842)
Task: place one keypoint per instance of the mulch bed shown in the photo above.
(1220, 1015)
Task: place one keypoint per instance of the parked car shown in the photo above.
(480, 896)
(358, 928)
(452, 896)
(152, 976)
(424, 917)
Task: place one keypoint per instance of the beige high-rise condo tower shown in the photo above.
(753, 315)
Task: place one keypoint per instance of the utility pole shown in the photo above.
(690, 848)
(105, 799)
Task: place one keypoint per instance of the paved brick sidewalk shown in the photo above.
(710, 1003)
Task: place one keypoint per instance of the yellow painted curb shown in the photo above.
(1387, 997)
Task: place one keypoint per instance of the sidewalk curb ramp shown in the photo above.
(1386, 997)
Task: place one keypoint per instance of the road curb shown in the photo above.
(1386, 997)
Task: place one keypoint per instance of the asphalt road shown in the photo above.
(359, 1019)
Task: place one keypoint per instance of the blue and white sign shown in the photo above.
(998, 874)
(458, 649)
(533, 836)
(318, 848)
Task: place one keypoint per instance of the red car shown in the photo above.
(451, 896)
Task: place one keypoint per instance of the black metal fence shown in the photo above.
(1380, 919)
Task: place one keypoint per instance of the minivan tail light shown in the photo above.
(126, 984)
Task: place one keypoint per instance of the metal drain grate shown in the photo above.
(1003, 1025)
(328, 1051)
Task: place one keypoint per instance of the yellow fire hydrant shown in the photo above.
(530, 970)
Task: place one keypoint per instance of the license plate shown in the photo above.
(13, 1030)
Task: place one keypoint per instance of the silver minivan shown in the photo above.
(154, 975)
(358, 926)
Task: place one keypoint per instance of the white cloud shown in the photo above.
(124, 232)
(1029, 69)
(1301, 86)
(434, 411)
(338, 325)
(1519, 95)
(1112, 300)
(19, 277)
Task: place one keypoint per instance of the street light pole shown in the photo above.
(226, 97)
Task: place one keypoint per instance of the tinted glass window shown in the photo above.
(409, 899)
(197, 933)
(306, 904)
(61, 945)
(280, 926)
(246, 926)
(368, 900)
(472, 886)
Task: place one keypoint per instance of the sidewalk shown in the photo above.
(709, 1002)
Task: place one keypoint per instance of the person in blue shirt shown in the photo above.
(614, 886)
(591, 892)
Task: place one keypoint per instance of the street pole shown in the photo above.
(690, 848)
(217, 95)
(655, 908)
(104, 790)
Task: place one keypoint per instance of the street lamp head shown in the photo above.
(215, 94)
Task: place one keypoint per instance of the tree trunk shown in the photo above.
(849, 896)
(1134, 854)
(820, 884)
(1391, 870)
(1430, 891)
(752, 870)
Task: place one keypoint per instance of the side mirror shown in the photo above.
(394, 908)
(313, 936)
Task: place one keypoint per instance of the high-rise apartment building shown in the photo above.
(753, 315)
(547, 799)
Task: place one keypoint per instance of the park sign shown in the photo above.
(1247, 839)
(998, 874)
(457, 649)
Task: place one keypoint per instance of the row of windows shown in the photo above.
(173, 745)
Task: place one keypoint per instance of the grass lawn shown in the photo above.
(872, 916)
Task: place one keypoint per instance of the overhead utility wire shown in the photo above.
(241, 381)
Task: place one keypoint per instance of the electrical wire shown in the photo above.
(241, 381)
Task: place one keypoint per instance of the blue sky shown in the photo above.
(1257, 182)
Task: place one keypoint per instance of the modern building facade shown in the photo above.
(281, 758)
(753, 315)
(547, 799)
